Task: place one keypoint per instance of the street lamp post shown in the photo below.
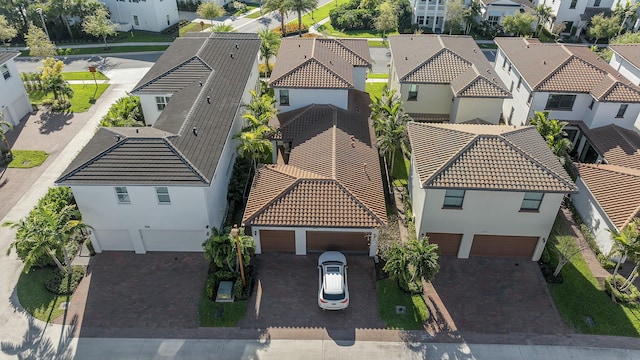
(234, 233)
(44, 26)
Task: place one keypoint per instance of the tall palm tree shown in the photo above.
(259, 111)
(382, 107)
(411, 262)
(627, 244)
(300, 6)
(626, 12)
(5, 127)
(268, 47)
(281, 7)
(254, 144)
(543, 15)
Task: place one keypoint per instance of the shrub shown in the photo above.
(290, 28)
(606, 262)
(57, 104)
(630, 295)
(126, 112)
(63, 284)
(239, 182)
(225, 276)
(262, 67)
(211, 286)
(58, 197)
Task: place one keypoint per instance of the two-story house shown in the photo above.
(430, 14)
(148, 15)
(569, 81)
(494, 11)
(445, 78)
(626, 60)
(14, 101)
(574, 15)
(324, 190)
(484, 190)
(164, 187)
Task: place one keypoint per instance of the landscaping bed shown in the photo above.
(390, 296)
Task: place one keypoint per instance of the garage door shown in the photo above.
(448, 243)
(339, 241)
(173, 240)
(114, 240)
(278, 240)
(508, 246)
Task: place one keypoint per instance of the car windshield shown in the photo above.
(332, 269)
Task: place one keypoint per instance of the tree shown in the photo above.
(603, 27)
(269, 46)
(281, 7)
(626, 38)
(411, 262)
(259, 111)
(127, 111)
(210, 10)
(387, 21)
(626, 12)
(39, 43)
(626, 244)
(99, 25)
(5, 127)
(7, 32)
(300, 6)
(566, 248)
(221, 250)
(455, 15)
(45, 232)
(52, 79)
(544, 14)
(553, 133)
(254, 144)
(471, 14)
(519, 24)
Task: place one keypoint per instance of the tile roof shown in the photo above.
(590, 12)
(553, 67)
(319, 63)
(618, 146)
(7, 55)
(615, 188)
(429, 117)
(485, 157)
(333, 176)
(629, 52)
(441, 59)
(231, 58)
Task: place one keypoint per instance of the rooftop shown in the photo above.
(7, 55)
(629, 52)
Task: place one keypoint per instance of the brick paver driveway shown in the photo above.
(497, 296)
(287, 289)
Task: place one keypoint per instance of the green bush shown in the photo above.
(58, 197)
(126, 112)
(211, 286)
(225, 276)
(63, 284)
(240, 180)
(57, 104)
(630, 295)
(606, 262)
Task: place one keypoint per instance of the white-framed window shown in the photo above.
(162, 192)
(420, 20)
(622, 110)
(413, 93)
(519, 83)
(453, 199)
(591, 104)
(511, 87)
(596, 3)
(162, 101)
(493, 20)
(560, 102)
(123, 195)
(284, 97)
(136, 21)
(573, 4)
(532, 201)
(530, 98)
(5, 71)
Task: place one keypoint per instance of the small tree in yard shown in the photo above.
(220, 249)
(566, 248)
(603, 27)
(5, 127)
(627, 244)
(99, 25)
(39, 43)
(52, 80)
(7, 32)
(411, 262)
(210, 10)
(387, 21)
(519, 24)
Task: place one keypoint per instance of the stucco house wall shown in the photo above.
(593, 216)
(432, 98)
(14, 101)
(302, 97)
(487, 109)
(625, 68)
(152, 15)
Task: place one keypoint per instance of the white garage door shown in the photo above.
(114, 240)
(21, 106)
(173, 240)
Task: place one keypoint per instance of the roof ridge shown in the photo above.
(477, 78)
(195, 102)
(359, 202)
(434, 56)
(334, 132)
(554, 71)
(341, 43)
(277, 168)
(452, 158)
(273, 200)
(331, 71)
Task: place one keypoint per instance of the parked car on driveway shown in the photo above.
(333, 292)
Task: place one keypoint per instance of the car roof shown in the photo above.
(333, 283)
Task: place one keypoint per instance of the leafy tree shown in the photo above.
(405, 15)
(627, 12)
(411, 262)
(99, 25)
(387, 21)
(254, 144)
(543, 14)
(269, 46)
(627, 244)
(5, 127)
(7, 32)
(45, 232)
(127, 111)
(455, 15)
(566, 248)
(626, 38)
(210, 10)
(281, 7)
(553, 133)
(470, 17)
(39, 43)
(221, 249)
(259, 111)
(300, 6)
(52, 79)
(603, 27)
(519, 24)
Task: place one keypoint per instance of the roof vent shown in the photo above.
(305, 56)
(237, 46)
(331, 62)
(200, 83)
(412, 38)
(195, 131)
(117, 137)
(544, 62)
(527, 45)
(353, 141)
(232, 55)
(208, 99)
(137, 131)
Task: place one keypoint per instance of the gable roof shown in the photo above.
(7, 55)
(210, 70)
(629, 52)
(553, 67)
(319, 63)
(485, 157)
(333, 176)
(441, 59)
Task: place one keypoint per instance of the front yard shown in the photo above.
(84, 95)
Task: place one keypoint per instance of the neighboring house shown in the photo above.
(148, 15)
(163, 187)
(430, 14)
(608, 196)
(626, 60)
(494, 11)
(575, 14)
(319, 71)
(445, 78)
(14, 101)
(219, 2)
(570, 81)
(485, 190)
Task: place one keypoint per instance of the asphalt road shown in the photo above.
(103, 63)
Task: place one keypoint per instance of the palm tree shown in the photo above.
(627, 244)
(220, 249)
(471, 15)
(300, 6)
(382, 107)
(5, 127)
(268, 47)
(553, 133)
(254, 144)
(543, 15)
(626, 12)
(281, 7)
(259, 111)
(411, 262)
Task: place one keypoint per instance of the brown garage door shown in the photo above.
(339, 241)
(508, 246)
(448, 243)
(278, 240)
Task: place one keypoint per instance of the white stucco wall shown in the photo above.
(416, 194)
(14, 101)
(432, 99)
(150, 107)
(593, 216)
(152, 14)
(520, 96)
(563, 13)
(605, 114)
(303, 97)
(359, 77)
(487, 109)
(625, 68)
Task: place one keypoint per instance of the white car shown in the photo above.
(333, 292)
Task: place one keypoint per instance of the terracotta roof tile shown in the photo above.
(482, 87)
(617, 145)
(313, 74)
(575, 75)
(355, 51)
(629, 52)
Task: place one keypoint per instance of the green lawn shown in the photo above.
(26, 159)
(400, 171)
(35, 298)
(231, 313)
(390, 295)
(580, 295)
(329, 30)
(142, 36)
(193, 27)
(374, 89)
(318, 14)
(83, 75)
(254, 15)
(84, 95)
(378, 76)
(112, 50)
(377, 43)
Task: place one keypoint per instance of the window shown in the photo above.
(5, 71)
(505, 62)
(511, 114)
(560, 102)
(420, 20)
(592, 103)
(123, 195)
(162, 101)
(493, 20)
(573, 4)
(135, 20)
(453, 198)
(530, 98)
(532, 201)
(426, 21)
(413, 93)
(509, 69)
(511, 87)
(596, 3)
(163, 195)
(284, 97)
(622, 110)
(168, 20)
(568, 25)
(519, 83)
